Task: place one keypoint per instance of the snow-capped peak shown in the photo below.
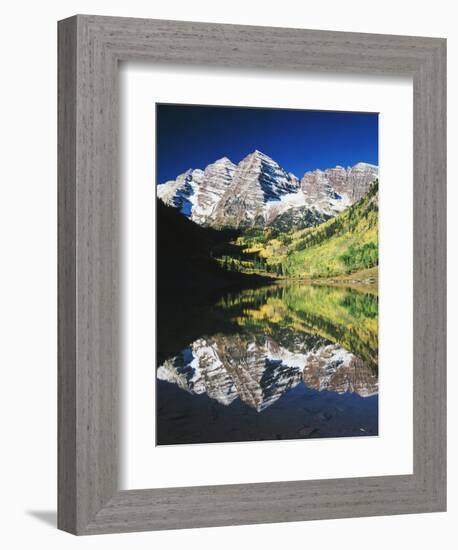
(224, 161)
(258, 189)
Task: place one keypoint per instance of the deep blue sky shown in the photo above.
(190, 136)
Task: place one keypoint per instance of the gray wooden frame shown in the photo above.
(90, 48)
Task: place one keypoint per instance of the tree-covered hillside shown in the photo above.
(342, 245)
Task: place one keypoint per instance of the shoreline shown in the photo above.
(365, 280)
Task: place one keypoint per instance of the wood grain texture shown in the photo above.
(67, 134)
(90, 48)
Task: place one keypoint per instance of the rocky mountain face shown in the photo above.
(258, 191)
(352, 183)
(258, 370)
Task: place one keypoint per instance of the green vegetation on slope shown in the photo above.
(344, 316)
(342, 245)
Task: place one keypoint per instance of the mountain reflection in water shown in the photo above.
(284, 362)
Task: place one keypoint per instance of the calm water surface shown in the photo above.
(278, 362)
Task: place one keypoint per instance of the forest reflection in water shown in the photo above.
(278, 362)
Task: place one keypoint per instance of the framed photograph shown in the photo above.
(266, 282)
(251, 275)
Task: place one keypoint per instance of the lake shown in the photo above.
(286, 361)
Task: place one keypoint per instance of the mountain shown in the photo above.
(258, 192)
(352, 183)
(258, 370)
(342, 245)
(258, 180)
